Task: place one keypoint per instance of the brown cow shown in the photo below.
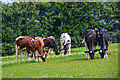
(39, 45)
(25, 42)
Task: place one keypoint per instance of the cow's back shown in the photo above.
(65, 38)
(24, 41)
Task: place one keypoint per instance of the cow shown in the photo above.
(65, 41)
(39, 45)
(90, 41)
(26, 43)
(50, 43)
(103, 39)
(51, 50)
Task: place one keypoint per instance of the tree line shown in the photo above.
(54, 18)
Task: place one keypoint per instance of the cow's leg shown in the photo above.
(69, 49)
(86, 50)
(88, 57)
(48, 52)
(28, 51)
(51, 50)
(36, 54)
(62, 49)
(31, 55)
(40, 58)
(106, 56)
(94, 52)
(16, 52)
(21, 55)
(26, 55)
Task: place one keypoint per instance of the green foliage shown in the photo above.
(53, 18)
(114, 36)
(8, 49)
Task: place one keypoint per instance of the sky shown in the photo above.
(6, 1)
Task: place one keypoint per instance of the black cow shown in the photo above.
(90, 39)
(50, 43)
(102, 38)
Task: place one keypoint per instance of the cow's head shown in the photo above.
(102, 53)
(91, 53)
(43, 56)
(57, 52)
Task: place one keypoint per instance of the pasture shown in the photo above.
(71, 66)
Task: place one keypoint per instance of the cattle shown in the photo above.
(24, 42)
(103, 38)
(51, 50)
(65, 43)
(39, 45)
(91, 41)
(50, 43)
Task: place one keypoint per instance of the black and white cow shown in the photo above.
(102, 38)
(50, 43)
(91, 42)
(65, 43)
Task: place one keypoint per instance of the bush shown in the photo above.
(8, 49)
(114, 36)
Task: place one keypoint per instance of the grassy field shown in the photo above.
(72, 66)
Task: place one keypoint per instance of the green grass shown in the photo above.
(72, 66)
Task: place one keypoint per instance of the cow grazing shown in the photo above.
(90, 39)
(50, 43)
(24, 42)
(65, 43)
(39, 45)
(51, 50)
(102, 38)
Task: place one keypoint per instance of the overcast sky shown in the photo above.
(6, 1)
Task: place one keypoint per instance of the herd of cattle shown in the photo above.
(40, 47)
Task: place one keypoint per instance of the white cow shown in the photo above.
(65, 43)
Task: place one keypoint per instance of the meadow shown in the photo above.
(70, 66)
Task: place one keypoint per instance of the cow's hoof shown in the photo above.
(85, 56)
(36, 60)
(106, 56)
